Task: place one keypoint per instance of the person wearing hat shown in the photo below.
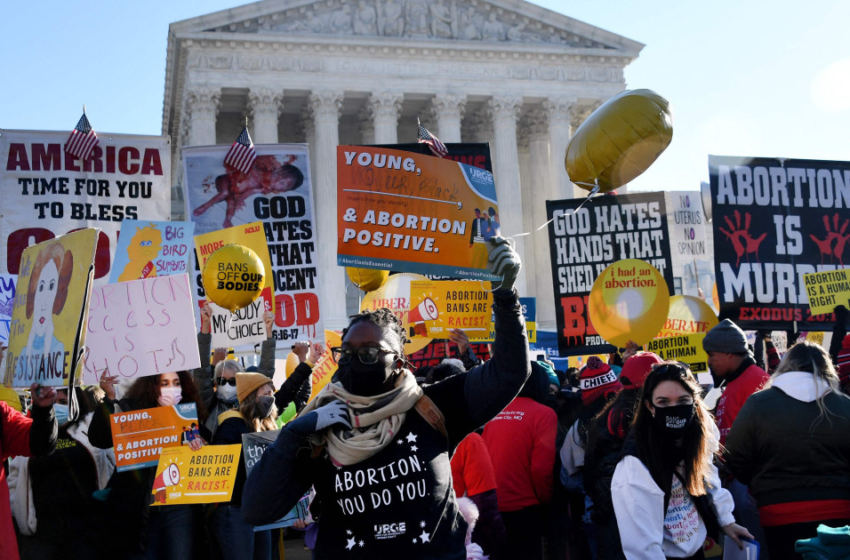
(734, 371)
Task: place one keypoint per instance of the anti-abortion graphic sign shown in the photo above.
(7, 303)
(408, 212)
(148, 249)
(140, 328)
(277, 192)
(44, 192)
(774, 221)
(691, 248)
(582, 244)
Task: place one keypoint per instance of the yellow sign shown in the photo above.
(205, 476)
(436, 308)
(629, 301)
(250, 235)
(395, 296)
(687, 315)
(685, 348)
(579, 362)
(326, 367)
(826, 290)
(816, 337)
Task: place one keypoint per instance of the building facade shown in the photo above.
(333, 72)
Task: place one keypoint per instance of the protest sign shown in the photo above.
(583, 243)
(438, 307)
(51, 306)
(147, 249)
(244, 326)
(685, 348)
(206, 476)
(688, 315)
(529, 313)
(277, 192)
(403, 211)
(776, 220)
(579, 362)
(7, 303)
(395, 296)
(691, 244)
(140, 328)
(438, 350)
(826, 290)
(140, 435)
(476, 154)
(326, 367)
(45, 192)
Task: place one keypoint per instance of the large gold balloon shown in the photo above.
(619, 140)
(367, 279)
(233, 277)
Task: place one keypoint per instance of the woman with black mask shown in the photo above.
(666, 490)
(376, 446)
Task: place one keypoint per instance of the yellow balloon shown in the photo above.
(367, 279)
(233, 277)
(629, 301)
(291, 363)
(395, 295)
(619, 140)
(688, 315)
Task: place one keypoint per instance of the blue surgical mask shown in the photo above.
(61, 412)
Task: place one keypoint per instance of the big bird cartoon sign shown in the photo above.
(148, 249)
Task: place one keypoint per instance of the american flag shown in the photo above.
(82, 140)
(241, 154)
(424, 137)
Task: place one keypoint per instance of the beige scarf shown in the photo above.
(375, 420)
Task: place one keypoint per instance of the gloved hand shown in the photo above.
(503, 261)
(321, 418)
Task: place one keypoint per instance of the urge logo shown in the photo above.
(389, 530)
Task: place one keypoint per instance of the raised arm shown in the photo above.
(267, 350)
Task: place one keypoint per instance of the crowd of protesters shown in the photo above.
(505, 458)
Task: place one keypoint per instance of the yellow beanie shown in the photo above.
(247, 383)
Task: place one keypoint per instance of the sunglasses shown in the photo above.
(367, 355)
(679, 367)
(224, 381)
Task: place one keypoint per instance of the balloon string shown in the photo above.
(593, 192)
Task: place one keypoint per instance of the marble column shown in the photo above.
(385, 109)
(578, 116)
(202, 105)
(504, 112)
(367, 126)
(264, 105)
(325, 107)
(448, 111)
(309, 129)
(529, 259)
(478, 127)
(559, 112)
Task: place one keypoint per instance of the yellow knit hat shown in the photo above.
(247, 383)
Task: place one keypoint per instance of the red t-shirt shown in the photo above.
(736, 394)
(14, 441)
(472, 470)
(521, 441)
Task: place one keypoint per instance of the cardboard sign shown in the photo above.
(7, 303)
(529, 313)
(409, 212)
(245, 326)
(51, 305)
(277, 192)
(438, 307)
(685, 348)
(776, 220)
(45, 192)
(688, 315)
(140, 436)
(140, 328)
(148, 249)
(691, 244)
(205, 476)
(826, 290)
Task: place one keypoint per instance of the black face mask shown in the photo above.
(674, 420)
(362, 379)
(264, 406)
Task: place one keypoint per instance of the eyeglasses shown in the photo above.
(367, 355)
(225, 381)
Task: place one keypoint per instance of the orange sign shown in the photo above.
(140, 436)
(415, 213)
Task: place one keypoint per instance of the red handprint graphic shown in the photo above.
(740, 237)
(833, 233)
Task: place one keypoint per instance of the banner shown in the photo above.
(438, 350)
(139, 436)
(147, 249)
(438, 307)
(127, 177)
(691, 245)
(529, 313)
(51, 305)
(683, 348)
(826, 290)
(469, 153)
(776, 220)
(403, 211)
(140, 328)
(278, 192)
(7, 303)
(205, 476)
(582, 244)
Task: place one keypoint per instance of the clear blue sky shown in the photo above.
(768, 78)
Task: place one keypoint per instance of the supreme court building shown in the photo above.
(332, 72)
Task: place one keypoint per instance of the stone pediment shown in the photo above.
(476, 21)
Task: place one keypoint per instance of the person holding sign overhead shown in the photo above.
(376, 446)
(135, 530)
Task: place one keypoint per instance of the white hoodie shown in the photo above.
(801, 385)
(646, 532)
